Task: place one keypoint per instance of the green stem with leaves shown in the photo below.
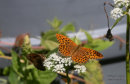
(127, 51)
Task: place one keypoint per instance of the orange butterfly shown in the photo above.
(78, 53)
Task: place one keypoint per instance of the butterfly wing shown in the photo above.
(37, 60)
(67, 46)
(83, 54)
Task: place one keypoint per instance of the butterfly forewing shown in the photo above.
(67, 46)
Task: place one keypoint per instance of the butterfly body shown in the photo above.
(78, 53)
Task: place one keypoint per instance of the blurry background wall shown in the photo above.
(20, 16)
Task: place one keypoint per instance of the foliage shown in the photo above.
(97, 44)
(23, 72)
(48, 39)
(3, 81)
(1, 53)
(93, 75)
(121, 9)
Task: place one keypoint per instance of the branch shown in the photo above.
(115, 36)
(75, 77)
(6, 57)
(106, 12)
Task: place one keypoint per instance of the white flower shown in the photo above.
(58, 68)
(80, 68)
(116, 13)
(57, 63)
(119, 3)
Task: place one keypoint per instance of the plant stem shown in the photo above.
(127, 51)
(6, 57)
(67, 76)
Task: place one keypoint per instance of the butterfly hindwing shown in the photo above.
(92, 54)
(80, 56)
(83, 54)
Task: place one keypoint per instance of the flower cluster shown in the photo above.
(117, 12)
(80, 68)
(57, 63)
(120, 3)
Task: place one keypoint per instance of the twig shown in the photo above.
(37, 47)
(75, 77)
(115, 36)
(120, 39)
(10, 58)
(6, 57)
(106, 12)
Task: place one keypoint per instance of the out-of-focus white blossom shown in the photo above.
(80, 68)
(119, 3)
(116, 13)
(57, 63)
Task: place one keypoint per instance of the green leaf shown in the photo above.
(6, 70)
(48, 44)
(116, 22)
(89, 37)
(93, 74)
(52, 51)
(76, 40)
(15, 60)
(13, 78)
(68, 27)
(3, 81)
(16, 65)
(43, 77)
(56, 23)
(46, 77)
(1, 53)
(99, 44)
(50, 35)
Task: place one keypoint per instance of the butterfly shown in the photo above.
(37, 60)
(78, 53)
